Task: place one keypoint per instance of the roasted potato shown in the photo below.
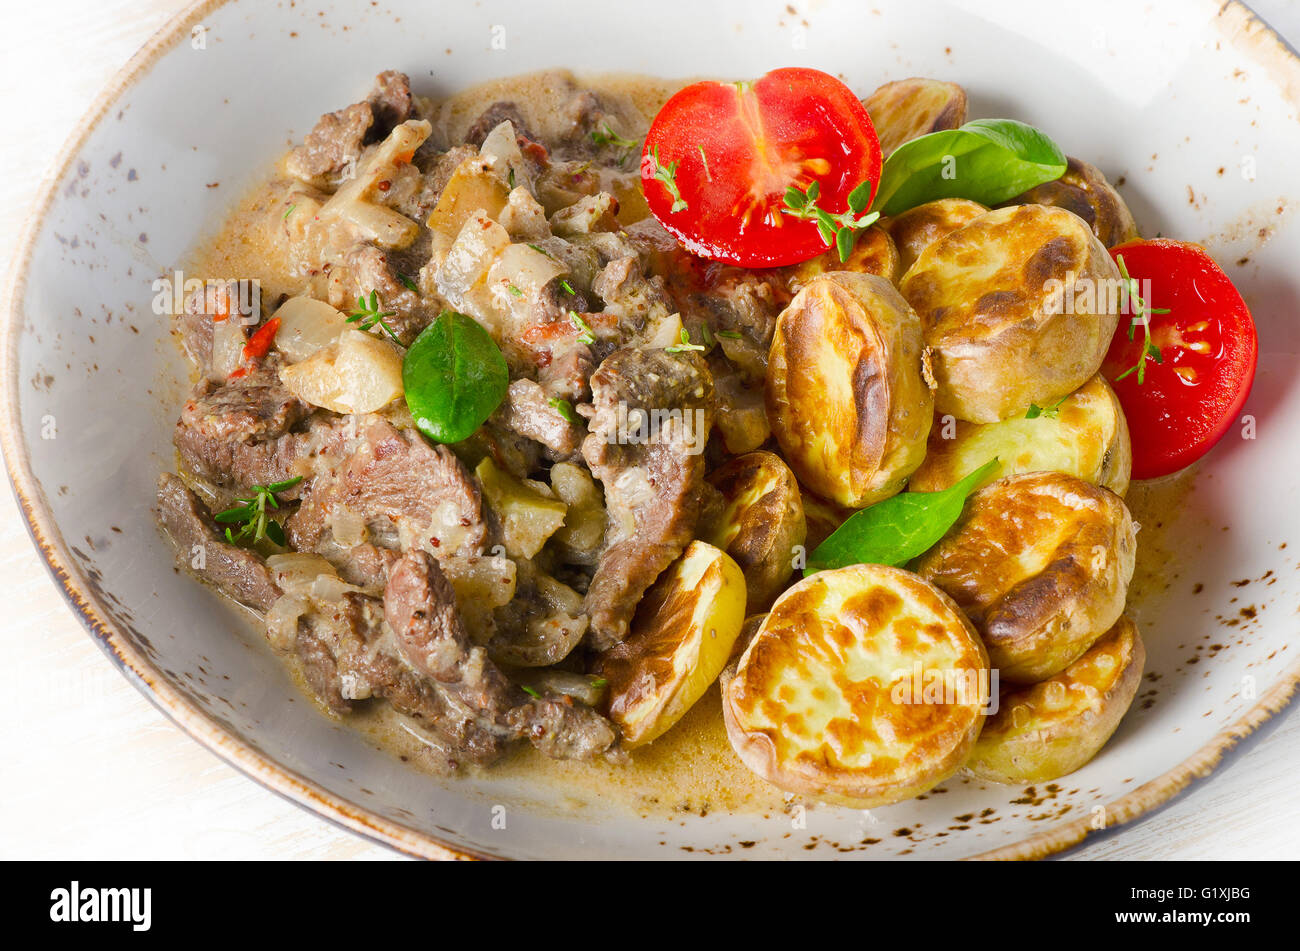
(1083, 189)
(845, 394)
(824, 701)
(1003, 330)
(529, 511)
(358, 373)
(1042, 732)
(1041, 563)
(1085, 436)
(873, 253)
(822, 518)
(917, 228)
(679, 641)
(760, 524)
(910, 108)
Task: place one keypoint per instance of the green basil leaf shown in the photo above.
(454, 376)
(900, 528)
(986, 160)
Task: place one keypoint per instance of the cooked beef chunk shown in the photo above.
(527, 410)
(650, 420)
(393, 475)
(236, 572)
(373, 269)
(637, 300)
(390, 101)
(420, 608)
(338, 137)
(214, 302)
(541, 625)
(320, 668)
(237, 434)
(492, 117)
(366, 565)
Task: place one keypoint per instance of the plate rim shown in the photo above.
(142, 673)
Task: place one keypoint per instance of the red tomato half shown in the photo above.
(732, 149)
(1208, 346)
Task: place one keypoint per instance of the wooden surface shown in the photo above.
(91, 770)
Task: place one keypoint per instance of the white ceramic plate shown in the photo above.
(1191, 104)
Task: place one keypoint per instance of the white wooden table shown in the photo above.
(90, 770)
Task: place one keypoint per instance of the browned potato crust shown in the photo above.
(1085, 436)
(992, 307)
(1041, 564)
(873, 253)
(822, 518)
(910, 108)
(845, 393)
(917, 228)
(1084, 190)
(1043, 732)
(761, 523)
(824, 703)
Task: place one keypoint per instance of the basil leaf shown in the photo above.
(900, 528)
(454, 376)
(986, 160)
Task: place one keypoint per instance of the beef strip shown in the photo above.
(390, 102)
(527, 410)
(652, 474)
(420, 608)
(336, 141)
(238, 434)
(393, 475)
(242, 575)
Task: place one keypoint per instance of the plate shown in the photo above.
(1190, 105)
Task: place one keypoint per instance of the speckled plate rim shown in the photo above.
(146, 677)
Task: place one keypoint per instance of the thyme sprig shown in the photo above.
(255, 523)
(667, 174)
(1142, 313)
(370, 313)
(838, 231)
(585, 333)
(685, 344)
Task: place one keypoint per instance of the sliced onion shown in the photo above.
(296, 572)
(282, 621)
(306, 326)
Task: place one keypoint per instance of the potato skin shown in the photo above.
(1087, 437)
(1045, 731)
(910, 108)
(845, 394)
(813, 704)
(917, 228)
(989, 296)
(1040, 563)
(1084, 190)
(761, 523)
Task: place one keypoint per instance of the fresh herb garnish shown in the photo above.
(370, 314)
(510, 178)
(838, 231)
(608, 136)
(685, 344)
(409, 283)
(514, 291)
(289, 211)
(454, 376)
(730, 334)
(585, 333)
(987, 160)
(1050, 412)
(529, 690)
(705, 159)
(251, 516)
(564, 408)
(900, 528)
(568, 288)
(600, 683)
(541, 250)
(1142, 312)
(668, 175)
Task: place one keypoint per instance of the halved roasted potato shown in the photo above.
(760, 524)
(864, 686)
(1043, 732)
(1003, 329)
(917, 228)
(679, 641)
(822, 518)
(910, 108)
(1041, 563)
(873, 253)
(845, 393)
(1084, 190)
(1085, 436)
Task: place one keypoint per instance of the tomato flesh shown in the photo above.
(739, 146)
(1208, 347)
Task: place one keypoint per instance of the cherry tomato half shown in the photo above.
(719, 158)
(1207, 346)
